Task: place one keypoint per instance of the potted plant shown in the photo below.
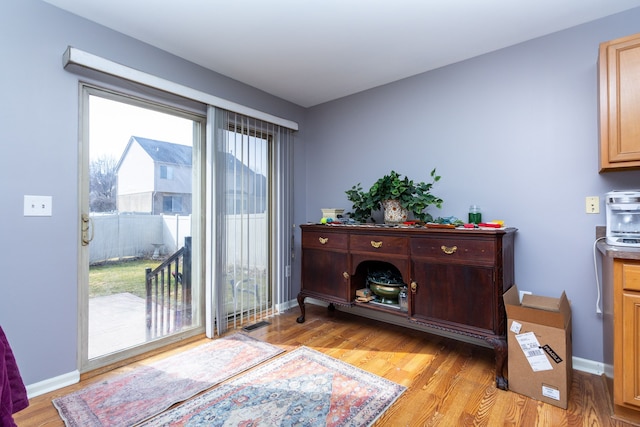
(411, 196)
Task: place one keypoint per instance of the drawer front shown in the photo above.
(631, 276)
(318, 239)
(379, 244)
(454, 249)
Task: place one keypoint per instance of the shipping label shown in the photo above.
(535, 355)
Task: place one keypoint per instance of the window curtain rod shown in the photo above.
(74, 58)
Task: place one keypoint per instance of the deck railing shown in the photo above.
(168, 302)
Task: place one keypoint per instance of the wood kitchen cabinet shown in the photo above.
(456, 278)
(621, 323)
(619, 92)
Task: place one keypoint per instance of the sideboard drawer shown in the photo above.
(313, 239)
(449, 249)
(379, 244)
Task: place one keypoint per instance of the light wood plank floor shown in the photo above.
(449, 383)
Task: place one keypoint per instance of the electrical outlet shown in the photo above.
(37, 205)
(592, 205)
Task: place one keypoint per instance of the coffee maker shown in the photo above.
(623, 218)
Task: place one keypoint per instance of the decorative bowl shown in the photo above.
(386, 291)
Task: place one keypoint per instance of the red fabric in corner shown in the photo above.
(13, 394)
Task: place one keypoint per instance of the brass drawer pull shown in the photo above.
(448, 250)
(345, 275)
(414, 287)
(376, 245)
(323, 240)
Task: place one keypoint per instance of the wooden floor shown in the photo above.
(449, 383)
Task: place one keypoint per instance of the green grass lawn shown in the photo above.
(120, 277)
(129, 276)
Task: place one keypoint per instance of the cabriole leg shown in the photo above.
(501, 350)
(302, 308)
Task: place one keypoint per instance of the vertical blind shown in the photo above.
(252, 243)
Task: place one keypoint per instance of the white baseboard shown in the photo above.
(70, 378)
(52, 384)
(589, 366)
(286, 305)
(580, 364)
(33, 390)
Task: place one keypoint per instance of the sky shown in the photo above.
(112, 123)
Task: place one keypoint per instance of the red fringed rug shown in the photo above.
(301, 388)
(149, 390)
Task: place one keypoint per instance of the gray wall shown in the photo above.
(514, 131)
(39, 140)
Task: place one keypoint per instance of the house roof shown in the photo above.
(165, 152)
(170, 153)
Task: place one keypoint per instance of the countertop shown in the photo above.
(623, 252)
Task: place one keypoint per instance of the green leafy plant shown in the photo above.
(414, 197)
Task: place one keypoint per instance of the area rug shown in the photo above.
(301, 388)
(149, 390)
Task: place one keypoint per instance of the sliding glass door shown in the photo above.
(141, 222)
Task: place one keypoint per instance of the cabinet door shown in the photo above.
(620, 103)
(631, 348)
(325, 274)
(462, 294)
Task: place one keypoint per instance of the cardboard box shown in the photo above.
(539, 341)
(333, 213)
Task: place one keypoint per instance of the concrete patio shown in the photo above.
(116, 322)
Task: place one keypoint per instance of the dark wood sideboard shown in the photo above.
(455, 277)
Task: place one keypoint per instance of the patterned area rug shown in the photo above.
(149, 390)
(301, 388)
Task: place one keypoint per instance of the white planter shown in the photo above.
(393, 212)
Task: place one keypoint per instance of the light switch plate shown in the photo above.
(38, 205)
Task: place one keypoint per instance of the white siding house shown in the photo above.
(154, 177)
